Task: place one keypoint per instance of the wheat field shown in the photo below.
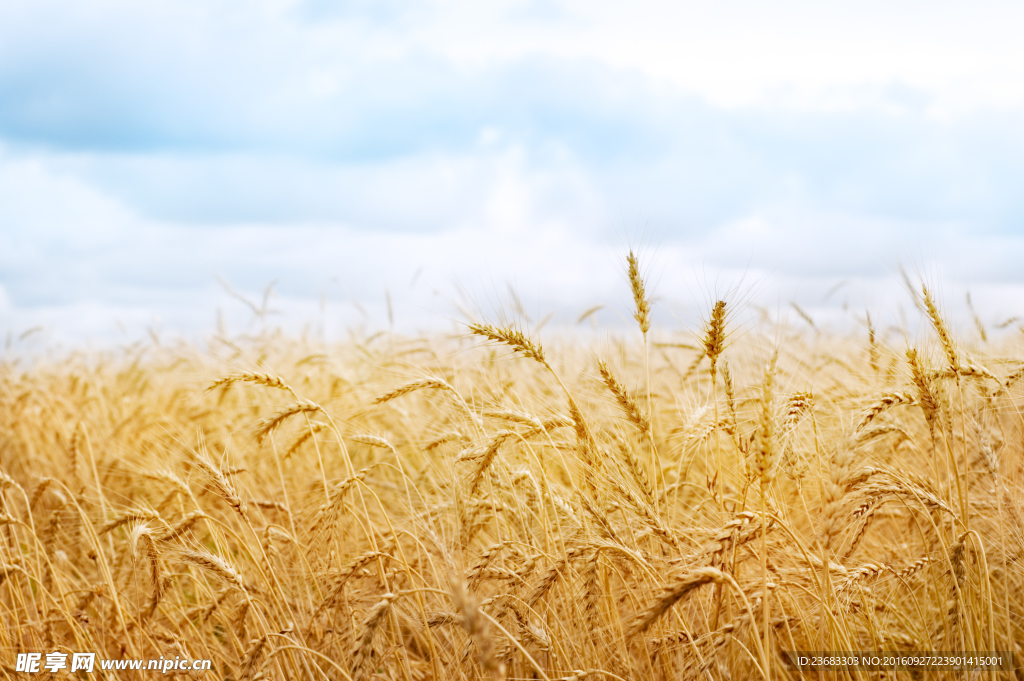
(655, 504)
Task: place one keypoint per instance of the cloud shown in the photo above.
(672, 158)
(341, 146)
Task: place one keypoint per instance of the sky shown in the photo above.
(410, 164)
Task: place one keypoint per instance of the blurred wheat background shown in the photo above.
(503, 505)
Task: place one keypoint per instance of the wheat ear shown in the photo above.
(364, 644)
(512, 337)
(268, 380)
(671, 595)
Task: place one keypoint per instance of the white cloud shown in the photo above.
(342, 146)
